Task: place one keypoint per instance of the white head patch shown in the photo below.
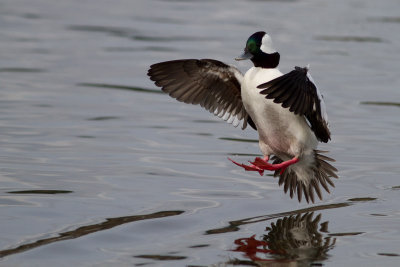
(266, 45)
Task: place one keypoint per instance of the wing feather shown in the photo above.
(209, 83)
(297, 91)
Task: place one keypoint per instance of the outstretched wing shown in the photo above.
(297, 91)
(210, 83)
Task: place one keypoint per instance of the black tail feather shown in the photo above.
(321, 172)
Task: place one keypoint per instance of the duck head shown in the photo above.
(260, 51)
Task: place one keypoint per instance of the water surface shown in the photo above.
(98, 168)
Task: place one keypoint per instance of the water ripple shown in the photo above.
(378, 103)
(88, 229)
(121, 87)
(234, 225)
(362, 39)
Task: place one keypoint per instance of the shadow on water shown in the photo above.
(89, 229)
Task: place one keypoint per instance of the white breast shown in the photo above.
(281, 132)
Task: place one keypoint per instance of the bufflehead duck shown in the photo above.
(287, 110)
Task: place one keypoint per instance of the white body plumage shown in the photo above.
(281, 132)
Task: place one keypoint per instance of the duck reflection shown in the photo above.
(296, 240)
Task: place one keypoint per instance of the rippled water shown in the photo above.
(98, 168)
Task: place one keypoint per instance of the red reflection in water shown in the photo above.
(251, 246)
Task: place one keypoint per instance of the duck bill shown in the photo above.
(246, 55)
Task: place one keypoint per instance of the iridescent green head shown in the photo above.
(260, 50)
(258, 43)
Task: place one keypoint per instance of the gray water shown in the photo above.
(98, 168)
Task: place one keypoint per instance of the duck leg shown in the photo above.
(251, 167)
(260, 165)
